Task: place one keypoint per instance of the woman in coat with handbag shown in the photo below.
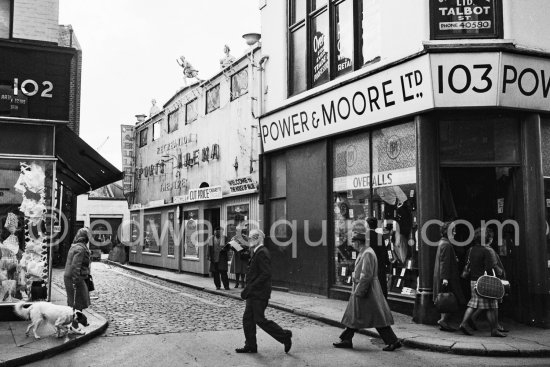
(446, 274)
(481, 261)
(367, 306)
(77, 271)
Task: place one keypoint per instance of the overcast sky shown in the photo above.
(130, 49)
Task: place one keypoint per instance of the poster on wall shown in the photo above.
(465, 19)
(190, 227)
(151, 235)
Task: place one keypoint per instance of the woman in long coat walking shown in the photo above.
(77, 269)
(367, 307)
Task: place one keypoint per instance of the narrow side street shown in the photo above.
(154, 322)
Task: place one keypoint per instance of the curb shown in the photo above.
(47, 353)
(481, 350)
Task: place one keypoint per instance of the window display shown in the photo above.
(190, 228)
(377, 182)
(237, 215)
(25, 198)
(151, 236)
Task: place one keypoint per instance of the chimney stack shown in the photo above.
(140, 118)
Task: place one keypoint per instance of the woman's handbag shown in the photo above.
(489, 286)
(446, 301)
(90, 283)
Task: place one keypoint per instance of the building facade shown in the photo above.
(196, 168)
(43, 162)
(413, 113)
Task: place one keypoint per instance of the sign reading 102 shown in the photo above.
(30, 88)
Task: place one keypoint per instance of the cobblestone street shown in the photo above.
(135, 305)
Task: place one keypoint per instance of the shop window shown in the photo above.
(394, 202)
(237, 218)
(191, 111)
(277, 200)
(213, 99)
(143, 138)
(374, 176)
(239, 84)
(156, 131)
(351, 199)
(134, 231)
(324, 40)
(171, 231)
(151, 234)
(190, 248)
(173, 121)
(25, 205)
(487, 139)
(545, 140)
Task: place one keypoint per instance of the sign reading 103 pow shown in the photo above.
(465, 19)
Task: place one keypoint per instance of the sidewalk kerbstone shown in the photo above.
(470, 349)
(501, 349)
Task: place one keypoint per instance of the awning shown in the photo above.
(80, 167)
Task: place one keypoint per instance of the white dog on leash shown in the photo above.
(62, 318)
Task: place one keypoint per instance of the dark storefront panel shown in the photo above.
(27, 139)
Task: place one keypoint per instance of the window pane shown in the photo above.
(213, 99)
(298, 61)
(351, 199)
(317, 4)
(190, 228)
(151, 235)
(237, 215)
(278, 176)
(298, 10)
(143, 137)
(171, 231)
(239, 84)
(156, 131)
(173, 121)
(372, 30)
(26, 139)
(320, 49)
(487, 139)
(344, 37)
(5, 13)
(191, 111)
(545, 139)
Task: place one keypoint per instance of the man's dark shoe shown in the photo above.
(288, 341)
(392, 347)
(343, 344)
(247, 349)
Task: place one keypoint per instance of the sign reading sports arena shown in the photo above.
(487, 79)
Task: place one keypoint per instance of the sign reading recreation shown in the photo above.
(486, 79)
(396, 92)
(465, 19)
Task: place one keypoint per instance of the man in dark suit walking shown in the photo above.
(257, 293)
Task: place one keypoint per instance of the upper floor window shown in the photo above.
(191, 111)
(239, 83)
(213, 99)
(143, 137)
(173, 121)
(5, 18)
(326, 39)
(156, 130)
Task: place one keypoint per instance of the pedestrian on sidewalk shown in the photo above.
(367, 307)
(381, 252)
(77, 270)
(481, 262)
(257, 293)
(239, 261)
(446, 272)
(217, 255)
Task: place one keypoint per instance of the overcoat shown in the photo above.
(258, 276)
(446, 267)
(223, 259)
(367, 307)
(77, 268)
(238, 265)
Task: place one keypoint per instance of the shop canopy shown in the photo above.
(80, 167)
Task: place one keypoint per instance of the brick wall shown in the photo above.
(36, 20)
(67, 38)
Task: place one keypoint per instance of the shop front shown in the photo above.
(441, 136)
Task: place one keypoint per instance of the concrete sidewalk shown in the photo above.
(521, 341)
(18, 349)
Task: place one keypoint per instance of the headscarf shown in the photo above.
(82, 236)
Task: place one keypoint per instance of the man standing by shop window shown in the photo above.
(257, 293)
(217, 255)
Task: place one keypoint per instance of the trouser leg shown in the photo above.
(216, 276)
(225, 279)
(387, 335)
(347, 334)
(249, 326)
(270, 327)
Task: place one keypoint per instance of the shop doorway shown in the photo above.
(478, 195)
(212, 219)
